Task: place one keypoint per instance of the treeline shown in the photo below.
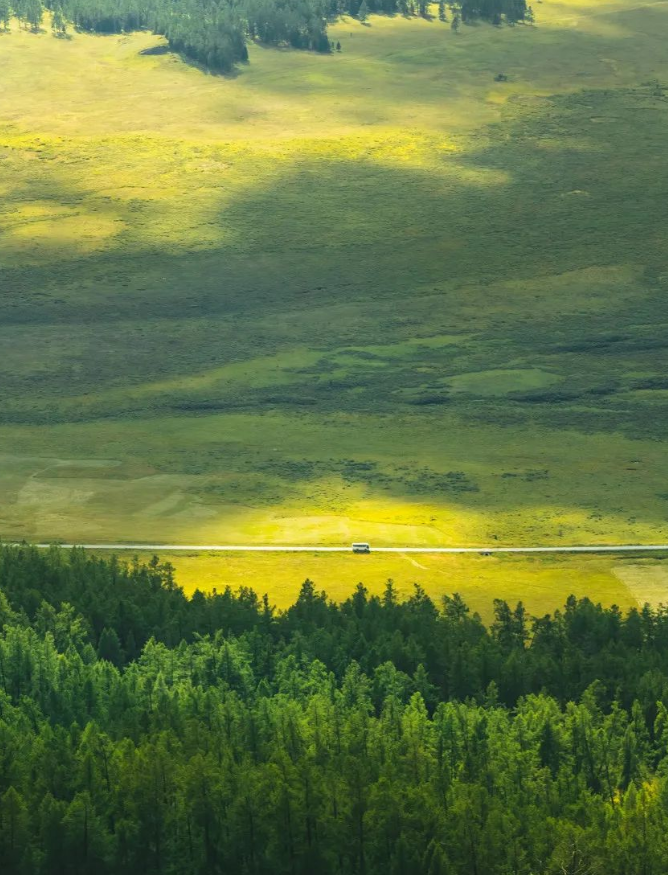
(495, 11)
(142, 731)
(214, 33)
(118, 607)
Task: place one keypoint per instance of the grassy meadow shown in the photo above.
(375, 295)
(541, 583)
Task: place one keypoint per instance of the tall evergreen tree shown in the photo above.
(58, 22)
(34, 13)
(5, 14)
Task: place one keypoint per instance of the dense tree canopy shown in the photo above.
(141, 731)
(214, 32)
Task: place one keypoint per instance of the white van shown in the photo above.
(361, 547)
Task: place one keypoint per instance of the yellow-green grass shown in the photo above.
(542, 583)
(373, 295)
(306, 495)
(646, 581)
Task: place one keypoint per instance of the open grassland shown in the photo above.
(374, 295)
(542, 583)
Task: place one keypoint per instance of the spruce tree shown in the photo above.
(363, 11)
(5, 14)
(58, 23)
(20, 9)
(34, 13)
(109, 647)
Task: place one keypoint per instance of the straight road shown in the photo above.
(248, 548)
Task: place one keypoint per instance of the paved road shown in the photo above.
(248, 548)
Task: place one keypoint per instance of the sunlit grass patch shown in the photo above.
(647, 581)
(502, 381)
(542, 584)
(58, 238)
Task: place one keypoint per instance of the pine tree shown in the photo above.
(5, 14)
(441, 11)
(20, 9)
(14, 830)
(109, 647)
(34, 13)
(58, 23)
(363, 11)
(456, 19)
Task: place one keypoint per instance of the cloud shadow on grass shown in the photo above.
(338, 254)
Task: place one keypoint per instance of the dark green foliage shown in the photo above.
(104, 16)
(116, 608)
(493, 10)
(214, 33)
(28, 12)
(109, 647)
(58, 23)
(376, 736)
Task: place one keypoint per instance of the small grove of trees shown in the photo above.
(214, 33)
(29, 13)
(466, 11)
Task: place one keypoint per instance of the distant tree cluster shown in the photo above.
(29, 12)
(145, 732)
(103, 16)
(214, 33)
(495, 11)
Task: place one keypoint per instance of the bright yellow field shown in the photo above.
(374, 295)
(541, 583)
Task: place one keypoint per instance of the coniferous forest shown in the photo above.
(214, 33)
(142, 731)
